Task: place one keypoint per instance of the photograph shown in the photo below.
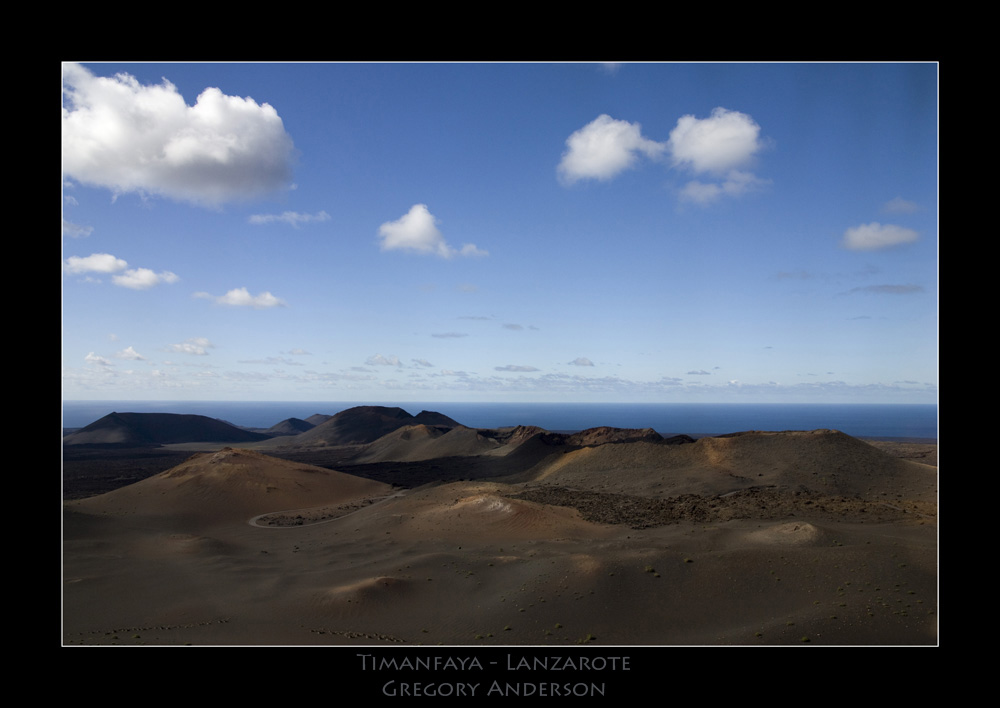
(495, 375)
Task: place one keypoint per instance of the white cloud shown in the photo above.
(870, 237)
(95, 263)
(900, 206)
(127, 137)
(94, 359)
(604, 148)
(131, 354)
(379, 360)
(136, 278)
(725, 141)
(241, 297)
(582, 361)
(718, 147)
(735, 183)
(422, 362)
(700, 192)
(417, 231)
(289, 217)
(515, 367)
(908, 289)
(470, 249)
(143, 278)
(195, 345)
(75, 230)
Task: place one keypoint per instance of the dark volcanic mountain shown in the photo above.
(435, 419)
(152, 429)
(290, 426)
(365, 424)
(317, 418)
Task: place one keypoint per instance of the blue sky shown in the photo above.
(500, 232)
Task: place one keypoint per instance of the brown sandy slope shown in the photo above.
(173, 560)
(423, 442)
(231, 486)
(827, 461)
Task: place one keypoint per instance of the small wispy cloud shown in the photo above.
(581, 361)
(94, 263)
(241, 297)
(900, 206)
(75, 230)
(131, 354)
(93, 358)
(135, 278)
(273, 361)
(292, 218)
(196, 346)
(450, 335)
(889, 289)
(874, 236)
(735, 184)
(515, 367)
(792, 275)
(380, 360)
(143, 278)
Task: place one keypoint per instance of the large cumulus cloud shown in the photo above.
(128, 137)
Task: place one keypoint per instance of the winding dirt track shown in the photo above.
(311, 516)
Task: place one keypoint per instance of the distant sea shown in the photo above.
(859, 420)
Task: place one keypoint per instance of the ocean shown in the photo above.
(860, 420)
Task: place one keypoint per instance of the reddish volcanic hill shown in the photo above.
(151, 429)
(604, 435)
